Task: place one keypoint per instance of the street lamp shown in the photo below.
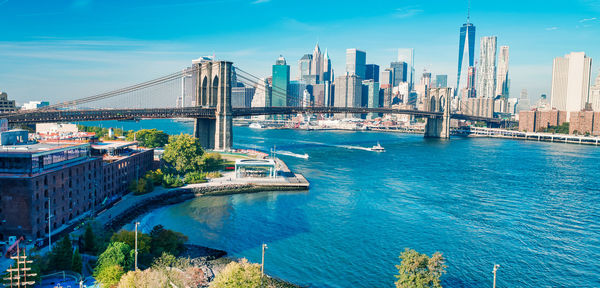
(136, 245)
(495, 269)
(262, 265)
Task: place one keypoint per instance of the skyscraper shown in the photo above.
(387, 76)
(371, 94)
(356, 61)
(470, 89)
(372, 72)
(595, 94)
(571, 77)
(327, 69)
(304, 65)
(348, 91)
(426, 79)
(486, 86)
(316, 67)
(441, 81)
(399, 70)
(466, 52)
(502, 75)
(281, 80)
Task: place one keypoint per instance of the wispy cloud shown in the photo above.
(588, 20)
(260, 1)
(408, 11)
(551, 28)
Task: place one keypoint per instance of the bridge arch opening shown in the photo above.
(432, 104)
(203, 92)
(442, 104)
(215, 91)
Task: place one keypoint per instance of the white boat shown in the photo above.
(378, 148)
(255, 126)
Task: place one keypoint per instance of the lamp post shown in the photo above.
(495, 269)
(136, 244)
(262, 265)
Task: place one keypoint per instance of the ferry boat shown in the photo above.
(378, 148)
(255, 126)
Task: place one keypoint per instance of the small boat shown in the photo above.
(378, 148)
(255, 126)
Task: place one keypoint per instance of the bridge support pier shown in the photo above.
(439, 101)
(213, 89)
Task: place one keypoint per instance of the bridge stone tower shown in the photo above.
(439, 101)
(212, 89)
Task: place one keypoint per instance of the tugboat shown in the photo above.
(378, 148)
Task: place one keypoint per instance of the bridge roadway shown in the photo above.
(46, 116)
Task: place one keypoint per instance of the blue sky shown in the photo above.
(64, 49)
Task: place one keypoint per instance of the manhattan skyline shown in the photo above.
(70, 49)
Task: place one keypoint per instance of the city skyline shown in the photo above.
(78, 60)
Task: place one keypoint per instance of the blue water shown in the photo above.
(531, 207)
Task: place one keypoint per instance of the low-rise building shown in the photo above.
(6, 106)
(536, 120)
(585, 122)
(32, 105)
(481, 107)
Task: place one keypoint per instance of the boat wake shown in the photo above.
(288, 153)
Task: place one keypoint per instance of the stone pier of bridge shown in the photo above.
(439, 101)
(212, 88)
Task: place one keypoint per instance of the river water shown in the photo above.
(532, 207)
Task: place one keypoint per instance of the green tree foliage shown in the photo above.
(62, 255)
(195, 177)
(419, 270)
(150, 138)
(183, 154)
(238, 275)
(76, 262)
(128, 237)
(101, 132)
(89, 239)
(112, 263)
(164, 240)
(141, 186)
(212, 162)
(167, 271)
(561, 129)
(109, 276)
(172, 181)
(156, 176)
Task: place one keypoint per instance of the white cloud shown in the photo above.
(260, 1)
(587, 19)
(408, 11)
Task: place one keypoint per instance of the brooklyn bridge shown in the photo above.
(212, 109)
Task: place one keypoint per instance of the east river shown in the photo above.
(532, 207)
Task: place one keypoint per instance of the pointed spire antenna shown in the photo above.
(468, 11)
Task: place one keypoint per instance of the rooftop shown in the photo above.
(37, 147)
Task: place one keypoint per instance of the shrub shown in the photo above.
(194, 177)
(172, 181)
(238, 274)
(155, 176)
(141, 186)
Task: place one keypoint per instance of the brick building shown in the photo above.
(536, 121)
(585, 122)
(63, 180)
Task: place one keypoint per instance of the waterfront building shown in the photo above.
(242, 96)
(571, 77)
(466, 53)
(595, 94)
(481, 107)
(502, 82)
(372, 72)
(281, 80)
(399, 72)
(66, 180)
(356, 61)
(6, 106)
(441, 81)
(32, 105)
(316, 67)
(348, 93)
(371, 94)
(585, 123)
(486, 86)
(304, 64)
(537, 121)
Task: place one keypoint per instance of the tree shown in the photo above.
(168, 241)
(117, 258)
(212, 162)
(419, 270)
(141, 186)
(128, 237)
(76, 262)
(89, 239)
(172, 181)
(183, 154)
(150, 138)
(62, 255)
(109, 276)
(238, 275)
(155, 176)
